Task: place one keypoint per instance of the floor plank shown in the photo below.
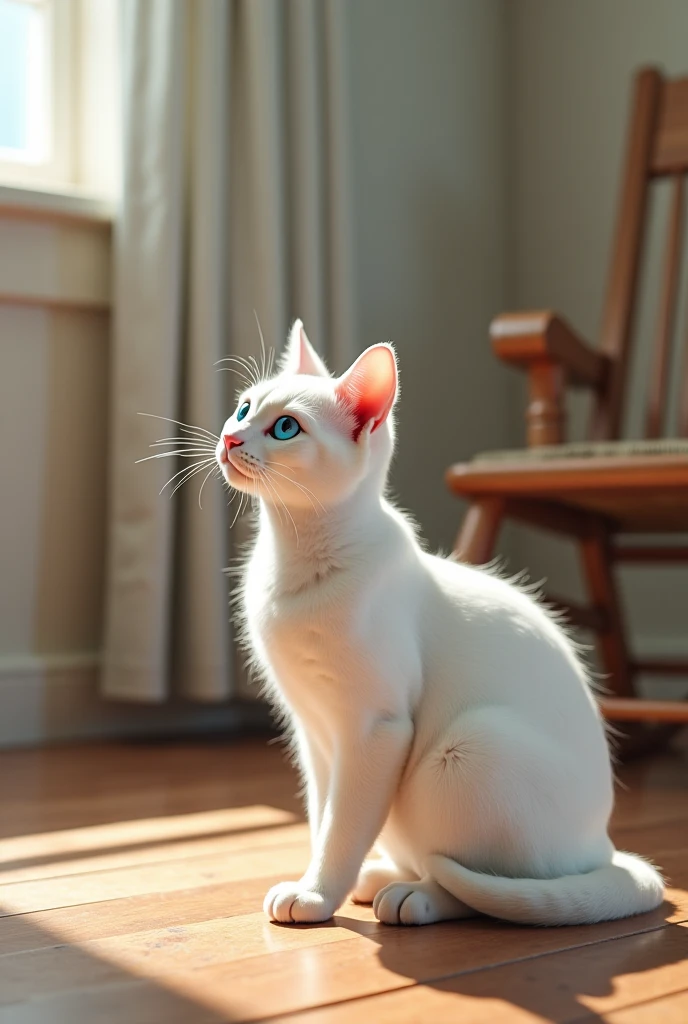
(131, 880)
(73, 889)
(268, 829)
(669, 1010)
(560, 987)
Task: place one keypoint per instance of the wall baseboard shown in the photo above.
(55, 698)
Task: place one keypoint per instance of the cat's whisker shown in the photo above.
(186, 441)
(185, 453)
(296, 532)
(189, 473)
(301, 487)
(296, 483)
(238, 511)
(257, 369)
(233, 493)
(262, 345)
(210, 472)
(239, 369)
(247, 382)
(190, 449)
(274, 491)
(250, 369)
(186, 426)
(310, 500)
(255, 496)
(254, 361)
(182, 472)
(187, 445)
(241, 360)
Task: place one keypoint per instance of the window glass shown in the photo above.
(23, 80)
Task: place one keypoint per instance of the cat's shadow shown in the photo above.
(562, 980)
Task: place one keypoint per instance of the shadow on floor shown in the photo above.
(483, 959)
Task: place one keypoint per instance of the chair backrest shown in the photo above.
(657, 147)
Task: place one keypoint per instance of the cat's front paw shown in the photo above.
(293, 903)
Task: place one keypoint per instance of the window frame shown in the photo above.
(58, 170)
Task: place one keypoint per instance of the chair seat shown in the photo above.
(589, 450)
(640, 486)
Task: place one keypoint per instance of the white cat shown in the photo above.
(438, 712)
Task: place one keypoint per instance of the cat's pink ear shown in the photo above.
(300, 357)
(369, 387)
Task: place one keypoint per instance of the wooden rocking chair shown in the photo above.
(607, 487)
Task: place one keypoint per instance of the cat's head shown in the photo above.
(309, 440)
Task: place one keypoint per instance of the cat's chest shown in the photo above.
(306, 635)
(306, 640)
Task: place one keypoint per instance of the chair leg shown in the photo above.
(635, 739)
(597, 565)
(477, 537)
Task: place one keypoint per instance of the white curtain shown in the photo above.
(236, 196)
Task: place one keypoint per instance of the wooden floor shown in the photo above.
(131, 882)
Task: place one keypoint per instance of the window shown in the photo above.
(58, 85)
(36, 60)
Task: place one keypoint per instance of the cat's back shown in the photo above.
(493, 642)
(480, 596)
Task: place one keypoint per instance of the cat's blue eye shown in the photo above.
(243, 410)
(285, 428)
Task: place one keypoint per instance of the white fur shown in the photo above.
(437, 711)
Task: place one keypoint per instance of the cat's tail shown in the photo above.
(626, 886)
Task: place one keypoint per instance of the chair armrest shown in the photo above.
(542, 336)
(553, 355)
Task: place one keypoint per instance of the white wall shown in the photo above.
(54, 306)
(571, 66)
(429, 168)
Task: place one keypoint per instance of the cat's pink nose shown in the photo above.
(231, 442)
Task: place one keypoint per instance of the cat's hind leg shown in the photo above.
(420, 902)
(375, 875)
(499, 796)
